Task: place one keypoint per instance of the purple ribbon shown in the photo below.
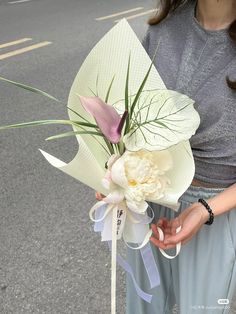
(150, 265)
(147, 256)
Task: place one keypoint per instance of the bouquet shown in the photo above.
(133, 142)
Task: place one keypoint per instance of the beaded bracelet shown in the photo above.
(211, 214)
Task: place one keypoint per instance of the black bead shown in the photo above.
(211, 214)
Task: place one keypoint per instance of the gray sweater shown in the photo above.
(195, 62)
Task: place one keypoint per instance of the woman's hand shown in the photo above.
(99, 196)
(191, 220)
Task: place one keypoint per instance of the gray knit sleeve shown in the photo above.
(146, 39)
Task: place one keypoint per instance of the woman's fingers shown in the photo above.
(155, 231)
(160, 244)
(181, 236)
(169, 226)
(162, 222)
(99, 196)
(175, 224)
(190, 223)
(169, 229)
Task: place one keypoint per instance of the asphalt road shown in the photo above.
(51, 261)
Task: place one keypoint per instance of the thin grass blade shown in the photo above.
(109, 89)
(46, 122)
(30, 88)
(142, 85)
(127, 97)
(66, 134)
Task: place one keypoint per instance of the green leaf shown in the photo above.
(127, 86)
(73, 133)
(94, 94)
(30, 88)
(139, 91)
(97, 78)
(46, 122)
(109, 89)
(79, 115)
(168, 119)
(127, 97)
(142, 84)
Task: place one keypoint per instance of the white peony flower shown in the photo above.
(139, 177)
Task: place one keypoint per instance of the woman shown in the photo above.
(197, 57)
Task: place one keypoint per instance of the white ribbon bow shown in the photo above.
(118, 211)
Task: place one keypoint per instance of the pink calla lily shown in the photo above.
(108, 120)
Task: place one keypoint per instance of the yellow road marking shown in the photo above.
(22, 50)
(117, 14)
(15, 42)
(137, 15)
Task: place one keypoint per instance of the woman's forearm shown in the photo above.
(223, 201)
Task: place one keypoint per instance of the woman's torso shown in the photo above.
(195, 62)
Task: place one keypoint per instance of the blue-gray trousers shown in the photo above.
(202, 273)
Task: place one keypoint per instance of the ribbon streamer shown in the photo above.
(126, 266)
(150, 266)
(101, 211)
